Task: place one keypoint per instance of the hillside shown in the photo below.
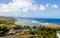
(52, 26)
(7, 20)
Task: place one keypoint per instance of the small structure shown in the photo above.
(17, 31)
(11, 31)
(58, 34)
(24, 30)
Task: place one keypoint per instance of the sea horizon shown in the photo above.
(54, 21)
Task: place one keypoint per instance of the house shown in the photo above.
(25, 30)
(17, 31)
(58, 34)
(11, 31)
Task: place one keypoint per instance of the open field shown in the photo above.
(52, 26)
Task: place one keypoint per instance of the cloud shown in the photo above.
(22, 5)
(24, 8)
(54, 6)
(41, 7)
(18, 8)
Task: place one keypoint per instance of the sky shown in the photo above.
(30, 8)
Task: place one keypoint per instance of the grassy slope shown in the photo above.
(7, 20)
(52, 26)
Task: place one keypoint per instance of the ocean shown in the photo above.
(47, 20)
(55, 21)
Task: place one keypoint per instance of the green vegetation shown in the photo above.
(7, 21)
(42, 32)
(6, 24)
(45, 32)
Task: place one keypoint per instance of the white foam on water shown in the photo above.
(27, 21)
(33, 21)
(46, 23)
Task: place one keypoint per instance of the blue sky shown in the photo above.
(30, 8)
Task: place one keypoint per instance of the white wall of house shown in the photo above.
(58, 35)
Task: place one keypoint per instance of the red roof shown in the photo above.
(17, 31)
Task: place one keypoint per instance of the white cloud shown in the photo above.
(35, 7)
(54, 6)
(41, 7)
(21, 8)
(23, 5)
(25, 10)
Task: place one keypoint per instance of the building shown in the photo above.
(58, 34)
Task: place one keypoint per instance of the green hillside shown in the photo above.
(6, 20)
